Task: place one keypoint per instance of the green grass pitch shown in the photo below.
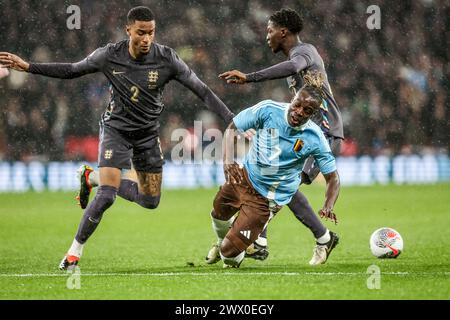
(141, 254)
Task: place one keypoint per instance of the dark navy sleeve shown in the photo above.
(294, 65)
(189, 79)
(93, 63)
(323, 155)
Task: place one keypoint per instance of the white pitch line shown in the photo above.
(202, 274)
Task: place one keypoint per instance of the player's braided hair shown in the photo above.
(288, 18)
(313, 84)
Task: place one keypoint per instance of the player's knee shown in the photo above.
(105, 197)
(150, 184)
(214, 214)
(217, 213)
(221, 211)
(216, 206)
(228, 249)
(149, 202)
(223, 217)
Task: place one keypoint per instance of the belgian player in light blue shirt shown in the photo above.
(283, 36)
(279, 150)
(285, 138)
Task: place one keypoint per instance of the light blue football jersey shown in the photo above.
(278, 151)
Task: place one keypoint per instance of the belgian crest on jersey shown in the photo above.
(298, 145)
(152, 79)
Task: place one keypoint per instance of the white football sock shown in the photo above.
(234, 261)
(325, 238)
(261, 241)
(221, 228)
(76, 249)
(94, 179)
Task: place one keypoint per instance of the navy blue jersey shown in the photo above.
(136, 85)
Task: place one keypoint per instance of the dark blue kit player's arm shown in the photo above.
(189, 79)
(93, 63)
(279, 71)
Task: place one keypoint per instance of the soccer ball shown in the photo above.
(386, 243)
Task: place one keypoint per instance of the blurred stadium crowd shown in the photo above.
(391, 84)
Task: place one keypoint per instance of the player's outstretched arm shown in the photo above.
(331, 195)
(278, 71)
(56, 70)
(12, 61)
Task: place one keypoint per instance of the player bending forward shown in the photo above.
(283, 35)
(285, 138)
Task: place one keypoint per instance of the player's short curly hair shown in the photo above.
(140, 13)
(288, 18)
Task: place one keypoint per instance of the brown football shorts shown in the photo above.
(255, 211)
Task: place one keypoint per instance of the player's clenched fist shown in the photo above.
(9, 60)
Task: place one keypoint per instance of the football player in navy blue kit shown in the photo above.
(138, 70)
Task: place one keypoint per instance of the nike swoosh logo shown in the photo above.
(92, 220)
(118, 72)
(395, 251)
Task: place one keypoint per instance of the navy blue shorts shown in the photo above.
(118, 148)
